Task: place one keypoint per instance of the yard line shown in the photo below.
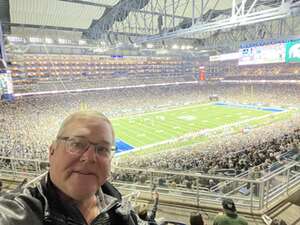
(163, 110)
(149, 123)
(206, 131)
(148, 130)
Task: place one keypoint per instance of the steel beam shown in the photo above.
(237, 19)
(42, 27)
(87, 3)
(5, 25)
(230, 41)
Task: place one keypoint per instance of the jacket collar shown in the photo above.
(55, 208)
(60, 210)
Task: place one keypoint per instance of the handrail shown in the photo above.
(280, 170)
(35, 179)
(262, 192)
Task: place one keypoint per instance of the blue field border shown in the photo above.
(248, 106)
(122, 146)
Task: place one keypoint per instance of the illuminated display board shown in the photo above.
(292, 51)
(263, 54)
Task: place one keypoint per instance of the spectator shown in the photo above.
(278, 222)
(196, 219)
(1, 185)
(29, 123)
(21, 185)
(76, 189)
(230, 216)
(143, 214)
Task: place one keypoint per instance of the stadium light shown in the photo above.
(64, 41)
(48, 40)
(15, 39)
(35, 40)
(150, 45)
(161, 51)
(175, 46)
(82, 42)
(99, 50)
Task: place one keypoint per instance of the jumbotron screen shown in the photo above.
(263, 54)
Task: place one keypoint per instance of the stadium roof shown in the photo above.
(136, 21)
(135, 17)
(80, 14)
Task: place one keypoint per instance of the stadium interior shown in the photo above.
(204, 97)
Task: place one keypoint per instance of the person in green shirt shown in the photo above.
(230, 216)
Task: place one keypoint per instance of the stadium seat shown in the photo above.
(244, 191)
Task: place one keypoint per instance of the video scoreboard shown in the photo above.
(286, 51)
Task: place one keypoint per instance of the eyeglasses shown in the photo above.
(79, 145)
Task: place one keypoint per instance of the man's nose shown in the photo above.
(89, 154)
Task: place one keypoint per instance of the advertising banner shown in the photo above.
(292, 53)
(262, 54)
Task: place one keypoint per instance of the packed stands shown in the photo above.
(29, 124)
(261, 148)
(26, 119)
(230, 70)
(61, 72)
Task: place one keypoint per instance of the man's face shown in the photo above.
(80, 176)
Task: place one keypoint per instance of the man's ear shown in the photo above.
(52, 148)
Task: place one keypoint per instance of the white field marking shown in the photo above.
(105, 88)
(176, 127)
(160, 111)
(159, 131)
(137, 140)
(202, 132)
(187, 117)
(150, 134)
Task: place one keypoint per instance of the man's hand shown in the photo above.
(155, 195)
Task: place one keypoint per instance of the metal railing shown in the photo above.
(190, 188)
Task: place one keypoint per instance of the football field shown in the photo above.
(150, 129)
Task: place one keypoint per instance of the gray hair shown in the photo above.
(83, 115)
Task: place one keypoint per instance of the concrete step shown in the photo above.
(287, 211)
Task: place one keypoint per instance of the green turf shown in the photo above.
(151, 128)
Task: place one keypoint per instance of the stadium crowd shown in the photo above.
(231, 70)
(255, 153)
(28, 125)
(257, 147)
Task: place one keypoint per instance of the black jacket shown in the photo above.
(41, 205)
(151, 217)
